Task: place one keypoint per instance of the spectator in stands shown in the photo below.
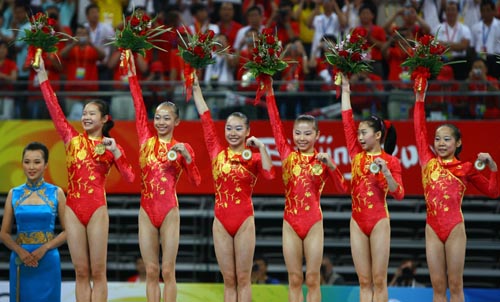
(254, 21)
(140, 268)
(163, 159)
(111, 12)
(305, 172)
(8, 76)
(6, 34)
(302, 13)
(486, 37)
(470, 12)
(81, 57)
(89, 156)
(227, 25)
(259, 272)
(351, 12)
(281, 20)
(329, 23)
(478, 80)
(34, 207)
(457, 38)
(266, 7)
(201, 20)
(376, 37)
(445, 179)
(66, 10)
(234, 169)
(328, 275)
(375, 173)
(431, 10)
(405, 275)
(411, 21)
(20, 24)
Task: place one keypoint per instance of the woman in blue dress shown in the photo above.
(35, 267)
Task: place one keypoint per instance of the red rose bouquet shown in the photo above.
(424, 60)
(138, 35)
(42, 37)
(266, 60)
(197, 51)
(349, 55)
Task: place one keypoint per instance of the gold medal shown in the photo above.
(99, 149)
(479, 165)
(246, 154)
(317, 169)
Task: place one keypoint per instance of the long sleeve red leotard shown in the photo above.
(445, 182)
(234, 179)
(304, 177)
(369, 190)
(159, 175)
(87, 170)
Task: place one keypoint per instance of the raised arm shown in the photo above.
(350, 131)
(64, 128)
(141, 116)
(267, 169)
(424, 152)
(282, 144)
(488, 186)
(124, 166)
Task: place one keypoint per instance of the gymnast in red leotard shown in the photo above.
(159, 221)
(445, 178)
(89, 157)
(375, 173)
(235, 171)
(305, 172)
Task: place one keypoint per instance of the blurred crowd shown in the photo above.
(89, 66)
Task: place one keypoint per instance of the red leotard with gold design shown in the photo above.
(445, 182)
(234, 179)
(369, 190)
(159, 175)
(304, 177)
(87, 170)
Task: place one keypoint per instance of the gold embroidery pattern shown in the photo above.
(364, 184)
(38, 237)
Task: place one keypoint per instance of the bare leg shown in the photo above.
(380, 244)
(224, 251)
(169, 233)
(455, 258)
(436, 261)
(313, 251)
(293, 253)
(97, 234)
(150, 249)
(361, 255)
(244, 246)
(79, 250)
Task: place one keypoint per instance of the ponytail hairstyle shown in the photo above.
(104, 109)
(309, 119)
(242, 116)
(34, 146)
(388, 135)
(457, 135)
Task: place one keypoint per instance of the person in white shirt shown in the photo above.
(486, 36)
(457, 38)
(254, 21)
(331, 22)
(201, 20)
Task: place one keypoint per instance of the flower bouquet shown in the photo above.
(137, 36)
(424, 60)
(42, 37)
(266, 60)
(350, 55)
(197, 50)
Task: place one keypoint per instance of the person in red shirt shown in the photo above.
(286, 28)
(478, 80)
(445, 179)
(267, 7)
(375, 173)
(376, 37)
(227, 26)
(8, 75)
(80, 58)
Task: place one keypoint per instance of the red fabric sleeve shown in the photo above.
(271, 174)
(141, 116)
(63, 127)
(489, 187)
(191, 168)
(124, 166)
(395, 168)
(211, 139)
(338, 180)
(423, 148)
(351, 133)
(283, 146)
